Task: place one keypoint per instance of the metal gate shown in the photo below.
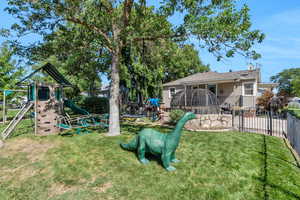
(266, 122)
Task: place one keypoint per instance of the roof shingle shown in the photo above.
(215, 76)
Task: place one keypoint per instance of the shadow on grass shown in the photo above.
(264, 178)
(132, 128)
(265, 168)
(275, 187)
(149, 156)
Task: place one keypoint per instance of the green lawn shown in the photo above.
(295, 112)
(10, 114)
(227, 165)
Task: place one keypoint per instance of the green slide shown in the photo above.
(70, 104)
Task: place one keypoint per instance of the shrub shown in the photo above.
(263, 101)
(97, 105)
(175, 115)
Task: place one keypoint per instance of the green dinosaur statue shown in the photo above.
(164, 145)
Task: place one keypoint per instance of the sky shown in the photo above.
(279, 20)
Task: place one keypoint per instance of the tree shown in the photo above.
(296, 86)
(9, 72)
(264, 100)
(139, 76)
(287, 80)
(217, 24)
(82, 61)
(152, 65)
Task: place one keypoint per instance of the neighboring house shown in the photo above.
(239, 88)
(104, 92)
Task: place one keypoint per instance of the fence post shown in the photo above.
(232, 119)
(243, 120)
(270, 123)
(239, 121)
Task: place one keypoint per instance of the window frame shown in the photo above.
(254, 89)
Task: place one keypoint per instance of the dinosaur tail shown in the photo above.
(132, 145)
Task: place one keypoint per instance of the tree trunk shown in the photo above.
(114, 113)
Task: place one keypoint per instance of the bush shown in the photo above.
(263, 101)
(97, 105)
(175, 115)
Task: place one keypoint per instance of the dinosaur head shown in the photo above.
(190, 115)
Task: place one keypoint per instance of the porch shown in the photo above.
(227, 94)
(219, 96)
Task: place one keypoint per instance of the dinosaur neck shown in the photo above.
(179, 126)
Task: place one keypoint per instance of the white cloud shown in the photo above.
(283, 38)
(288, 17)
(276, 52)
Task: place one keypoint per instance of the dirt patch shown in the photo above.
(59, 189)
(20, 173)
(104, 187)
(35, 150)
(1, 144)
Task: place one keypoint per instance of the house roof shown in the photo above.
(205, 77)
(51, 71)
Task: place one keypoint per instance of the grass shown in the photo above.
(295, 112)
(228, 165)
(10, 114)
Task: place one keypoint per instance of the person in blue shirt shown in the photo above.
(154, 105)
(154, 102)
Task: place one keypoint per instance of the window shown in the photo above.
(31, 91)
(172, 92)
(43, 93)
(58, 93)
(248, 89)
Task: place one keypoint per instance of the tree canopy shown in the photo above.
(10, 73)
(116, 25)
(288, 81)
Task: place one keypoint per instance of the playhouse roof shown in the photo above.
(51, 71)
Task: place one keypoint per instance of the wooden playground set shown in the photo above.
(46, 103)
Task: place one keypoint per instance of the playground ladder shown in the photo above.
(12, 125)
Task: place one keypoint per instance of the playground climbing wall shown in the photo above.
(49, 106)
